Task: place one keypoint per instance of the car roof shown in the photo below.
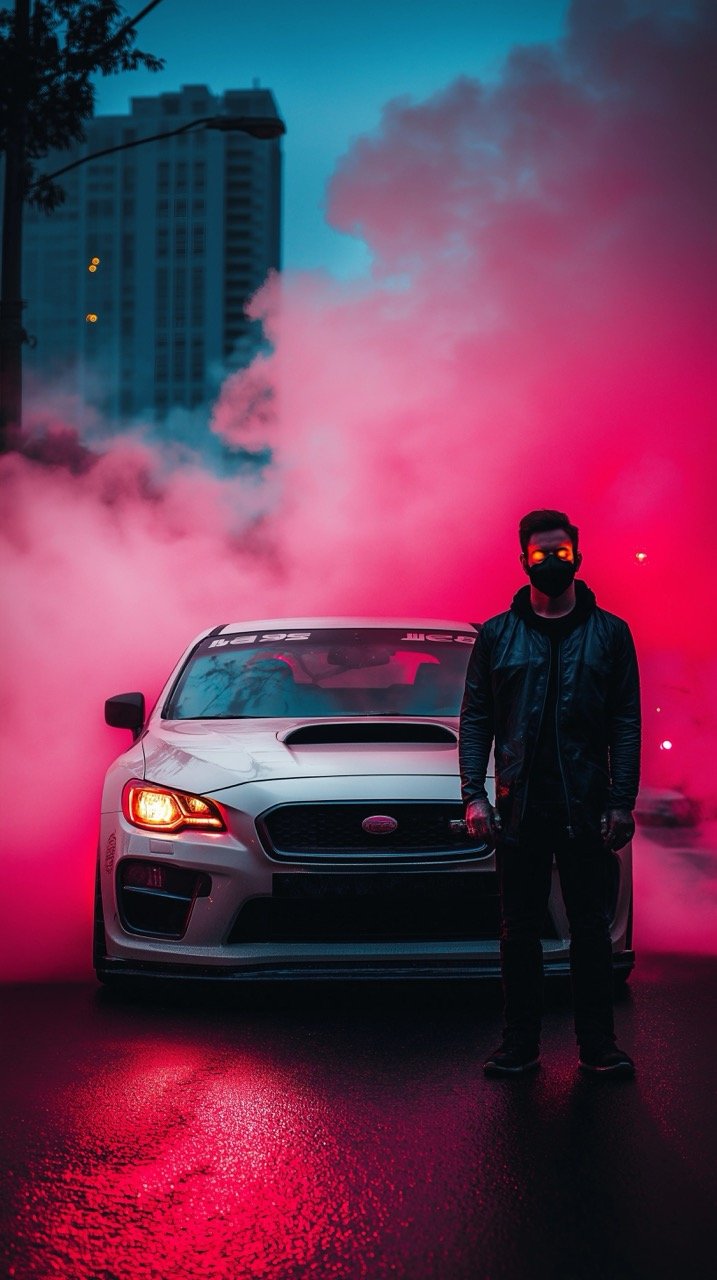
(336, 623)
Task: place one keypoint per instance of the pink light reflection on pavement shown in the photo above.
(185, 1163)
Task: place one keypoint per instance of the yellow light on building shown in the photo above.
(91, 267)
(95, 262)
(91, 318)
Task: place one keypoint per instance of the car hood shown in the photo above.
(203, 755)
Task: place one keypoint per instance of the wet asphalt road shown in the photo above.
(347, 1131)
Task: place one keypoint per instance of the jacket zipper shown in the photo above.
(537, 736)
(571, 833)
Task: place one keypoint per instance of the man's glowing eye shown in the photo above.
(537, 556)
(564, 554)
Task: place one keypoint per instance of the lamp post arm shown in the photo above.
(132, 22)
(258, 127)
(121, 146)
(88, 59)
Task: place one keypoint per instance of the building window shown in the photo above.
(197, 364)
(180, 208)
(162, 242)
(197, 296)
(163, 208)
(200, 172)
(180, 240)
(198, 239)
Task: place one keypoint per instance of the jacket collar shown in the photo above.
(585, 603)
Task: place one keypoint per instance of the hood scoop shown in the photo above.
(367, 731)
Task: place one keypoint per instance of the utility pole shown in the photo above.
(12, 333)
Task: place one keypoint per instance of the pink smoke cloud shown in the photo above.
(536, 332)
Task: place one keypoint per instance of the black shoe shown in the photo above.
(606, 1060)
(512, 1059)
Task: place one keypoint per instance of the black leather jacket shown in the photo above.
(598, 712)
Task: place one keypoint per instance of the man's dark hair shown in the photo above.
(542, 520)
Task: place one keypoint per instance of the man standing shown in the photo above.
(554, 682)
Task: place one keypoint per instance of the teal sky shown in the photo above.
(332, 66)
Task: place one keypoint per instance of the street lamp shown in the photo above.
(12, 334)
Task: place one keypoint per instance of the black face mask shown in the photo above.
(552, 576)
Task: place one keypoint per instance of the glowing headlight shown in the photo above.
(156, 808)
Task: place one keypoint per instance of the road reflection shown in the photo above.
(342, 1132)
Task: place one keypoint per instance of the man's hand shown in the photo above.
(483, 821)
(617, 826)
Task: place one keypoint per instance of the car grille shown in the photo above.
(324, 832)
(373, 907)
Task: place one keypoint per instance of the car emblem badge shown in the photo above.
(379, 824)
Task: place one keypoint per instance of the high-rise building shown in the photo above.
(136, 286)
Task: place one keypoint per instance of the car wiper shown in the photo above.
(185, 718)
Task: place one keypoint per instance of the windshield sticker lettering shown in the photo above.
(263, 639)
(270, 637)
(438, 635)
(285, 635)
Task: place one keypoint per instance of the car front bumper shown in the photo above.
(243, 875)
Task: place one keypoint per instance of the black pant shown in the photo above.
(524, 873)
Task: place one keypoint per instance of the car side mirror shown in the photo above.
(126, 711)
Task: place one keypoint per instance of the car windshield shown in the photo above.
(342, 672)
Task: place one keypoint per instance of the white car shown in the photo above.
(291, 809)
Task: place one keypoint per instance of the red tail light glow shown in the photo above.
(155, 808)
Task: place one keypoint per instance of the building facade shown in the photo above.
(136, 286)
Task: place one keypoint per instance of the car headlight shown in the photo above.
(155, 808)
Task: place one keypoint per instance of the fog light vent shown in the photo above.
(157, 899)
